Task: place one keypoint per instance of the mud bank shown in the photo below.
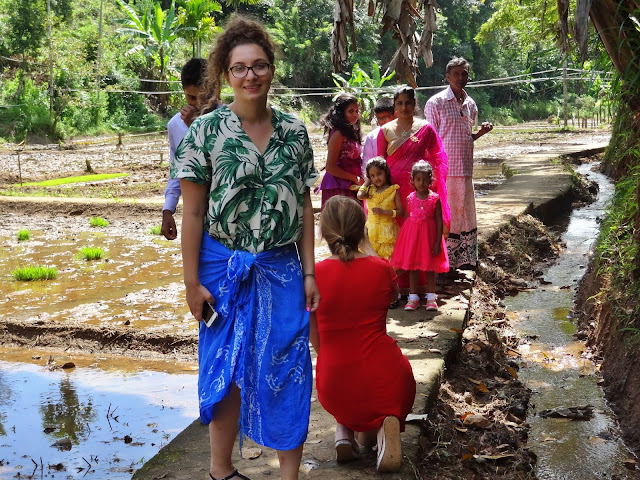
(103, 340)
(614, 350)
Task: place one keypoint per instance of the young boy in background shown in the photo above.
(192, 77)
(384, 112)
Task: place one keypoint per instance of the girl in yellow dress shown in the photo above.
(384, 204)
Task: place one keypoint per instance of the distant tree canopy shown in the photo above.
(500, 38)
(25, 25)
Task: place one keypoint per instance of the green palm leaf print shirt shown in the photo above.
(255, 200)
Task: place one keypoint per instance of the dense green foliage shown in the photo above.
(121, 82)
(25, 30)
(619, 242)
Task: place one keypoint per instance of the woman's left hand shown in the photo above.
(311, 293)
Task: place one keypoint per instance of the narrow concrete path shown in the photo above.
(429, 340)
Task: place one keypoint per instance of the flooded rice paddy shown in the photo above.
(138, 281)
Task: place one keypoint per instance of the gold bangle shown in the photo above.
(394, 213)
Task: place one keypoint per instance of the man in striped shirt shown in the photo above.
(453, 113)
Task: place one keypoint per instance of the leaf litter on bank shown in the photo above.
(483, 384)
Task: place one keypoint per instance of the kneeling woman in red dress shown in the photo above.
(362, 377)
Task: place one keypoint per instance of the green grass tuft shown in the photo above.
(79, 179)
(90, 253)
(27, 274)
(98, 222)
(23, 235)
(155, 230)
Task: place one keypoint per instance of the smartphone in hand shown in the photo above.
(209, 314)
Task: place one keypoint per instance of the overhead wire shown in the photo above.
(525, 78)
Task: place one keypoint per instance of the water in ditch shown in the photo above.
(553, 367)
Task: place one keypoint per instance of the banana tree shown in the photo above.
(365, 87)
(197, 18)
(397, 16)
(154, 32)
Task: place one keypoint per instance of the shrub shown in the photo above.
(30, 115)
(27, 274)
(537, 109)
(90, 253)
(23, 235)
(98, 222)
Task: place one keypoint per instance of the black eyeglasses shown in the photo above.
(241, 71)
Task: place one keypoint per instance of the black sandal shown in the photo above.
(233, 474)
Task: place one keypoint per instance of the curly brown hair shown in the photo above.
(239, 30)
(342, 225)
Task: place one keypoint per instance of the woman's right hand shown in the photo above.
(196, 296)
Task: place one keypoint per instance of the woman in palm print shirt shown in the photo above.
(247, 248)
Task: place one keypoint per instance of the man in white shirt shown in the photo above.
(384, 112)
(452, 112)
(192, 76)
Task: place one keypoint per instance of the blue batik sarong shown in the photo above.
(260, 342)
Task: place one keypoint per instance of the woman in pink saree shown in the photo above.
(406, 140)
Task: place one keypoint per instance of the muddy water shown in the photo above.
(487, 174)
(86, 422)
(139, 280)
(553, 367)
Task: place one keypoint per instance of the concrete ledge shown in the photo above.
(537, 183)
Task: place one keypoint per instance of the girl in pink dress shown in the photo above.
(344, 148)
(421, 245)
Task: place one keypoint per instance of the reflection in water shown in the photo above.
(5, 394)
(553, 368)
(66, 414)
(150, 408)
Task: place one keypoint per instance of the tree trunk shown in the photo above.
(609, 21)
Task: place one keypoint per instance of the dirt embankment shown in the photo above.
(90, 339)
(614, 349)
